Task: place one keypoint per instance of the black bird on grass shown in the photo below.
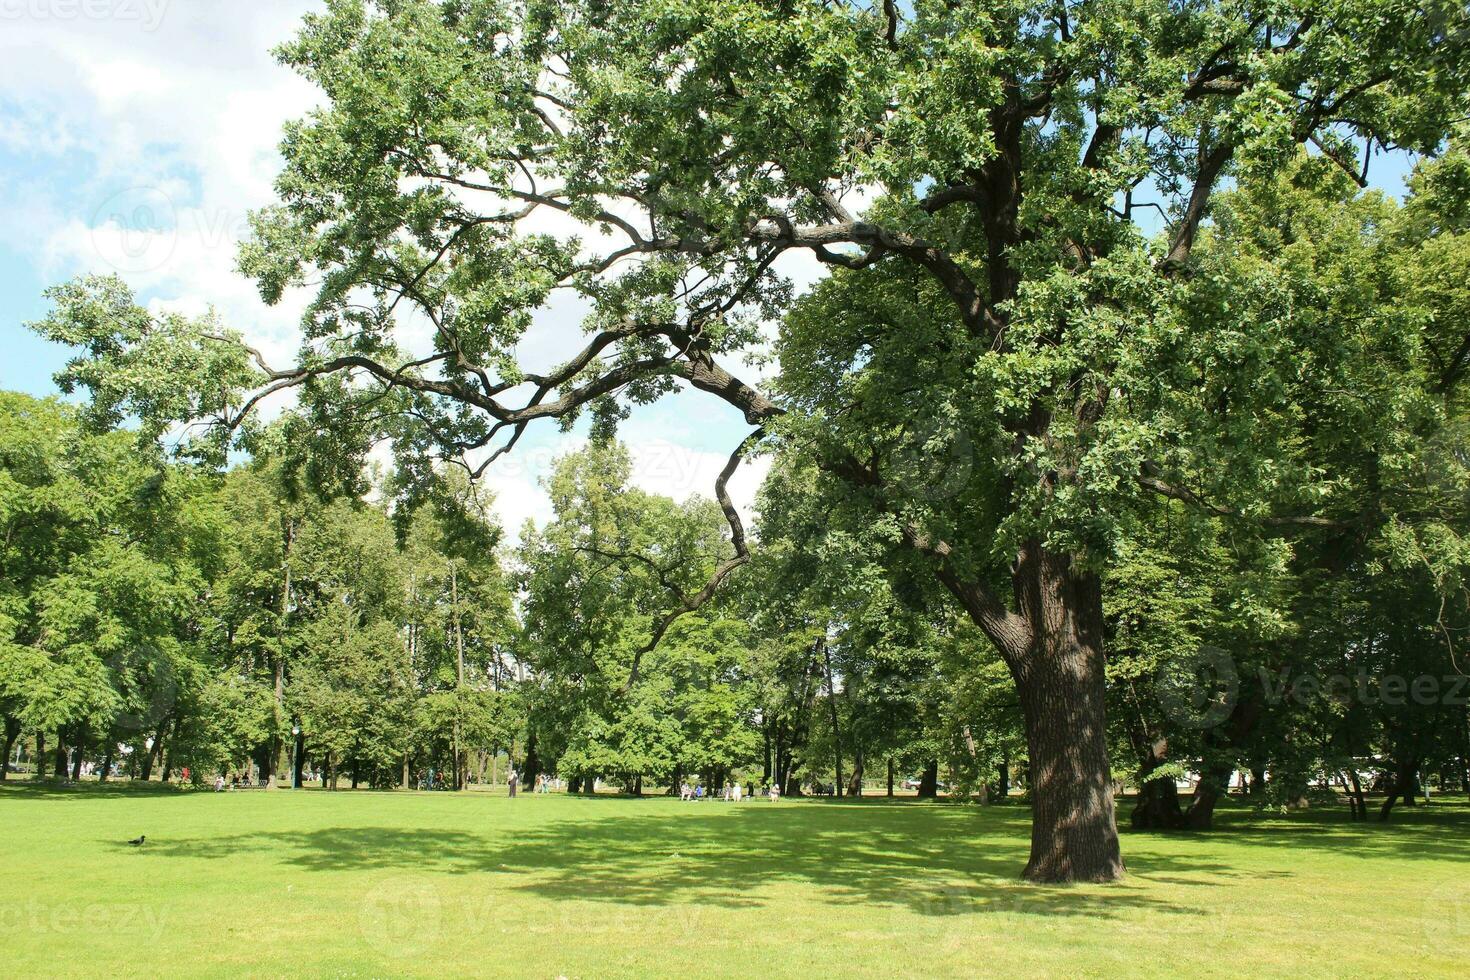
(138, 841)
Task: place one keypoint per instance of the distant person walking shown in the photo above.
(511, 779)
(735, 793)
(775, 792)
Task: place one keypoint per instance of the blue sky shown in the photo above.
(135, 136)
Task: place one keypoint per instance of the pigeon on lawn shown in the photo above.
(138, 841)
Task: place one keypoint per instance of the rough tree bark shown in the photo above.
(1062, 686)
(855, 782)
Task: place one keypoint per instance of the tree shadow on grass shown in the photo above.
(112, 789)
(1438, 832)
(934, 861)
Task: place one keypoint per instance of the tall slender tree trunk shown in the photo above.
(62, 760)
(40, 754)
(288, 538)
(890, 775)
(832, 706)
(106, 765)
(1465, 756)
(76, 764)
(12, 732)
(1354, 787)
(459, 683)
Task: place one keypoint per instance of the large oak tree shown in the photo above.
(1021, 157)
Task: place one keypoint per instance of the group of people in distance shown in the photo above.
(731, 793)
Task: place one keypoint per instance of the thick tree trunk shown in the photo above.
(1403, 786)
(1213, 783)
(1003, 778)
(1158, 799)
(1062, 687)
(40, 755)
(106, 766)
(1258, 780)
(532, 768)
(929, 781)
(855, 783)
(1073, 833)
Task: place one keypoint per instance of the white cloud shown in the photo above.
(154, 126)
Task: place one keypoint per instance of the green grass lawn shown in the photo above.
(408, 884)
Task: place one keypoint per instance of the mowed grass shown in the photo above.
(310, 883)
